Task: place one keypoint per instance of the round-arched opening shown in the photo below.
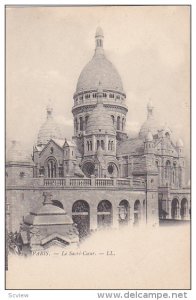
(51, 167)
(104, 214)
(81, 217)
(184, 209)
(167, 135)
(124, 212)
(175, 209)
(137, 212)
(112, 170)
(88, 169)
(167, 169)
(58, 203)
(118, 123)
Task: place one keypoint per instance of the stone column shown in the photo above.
(115, 215)
(178, 212)
(169, 209)
(114, 149)
(92, 180)
(131, 215)
(94, 144)
(93, 218)
(106, 143)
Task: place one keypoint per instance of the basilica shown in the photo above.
(102, 177)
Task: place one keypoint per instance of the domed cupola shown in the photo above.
(150, 124)
(99, 69)
(49, 130)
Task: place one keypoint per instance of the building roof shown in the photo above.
(48, 214)
(130, 146)
(99, 69)
(59, 142)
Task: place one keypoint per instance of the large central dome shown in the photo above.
(99, 69)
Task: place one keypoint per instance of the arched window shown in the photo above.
(167, 135)
(112, 119)
(124, 212)
(91, 146)
(76, 124)
(137, 212)
(184, 209)
(175, 209)
(98, 144)
(88, 145)
(123, 123)
(102, 144)
(104, 214)
(81, 124)
(51, 168)
(109, 143)
(118, 123)
(112, 145)
(81, 217)
(86, 120)
(167, 169)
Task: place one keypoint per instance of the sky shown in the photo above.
(47, 48)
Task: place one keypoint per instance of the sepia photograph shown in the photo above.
(97, 163)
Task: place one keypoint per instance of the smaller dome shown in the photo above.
(149, 137)
(100, 121)
(49, 130)
(16, 153)
(151, 124)
(179, 143)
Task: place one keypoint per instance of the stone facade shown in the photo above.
(102, 177)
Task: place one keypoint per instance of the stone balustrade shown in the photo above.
(92, 182)
(72, 182)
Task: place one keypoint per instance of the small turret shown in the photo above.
(149, 143)
(99, 41)
(150, 124)
(180, 147)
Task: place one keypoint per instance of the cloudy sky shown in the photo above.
(46, 49)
